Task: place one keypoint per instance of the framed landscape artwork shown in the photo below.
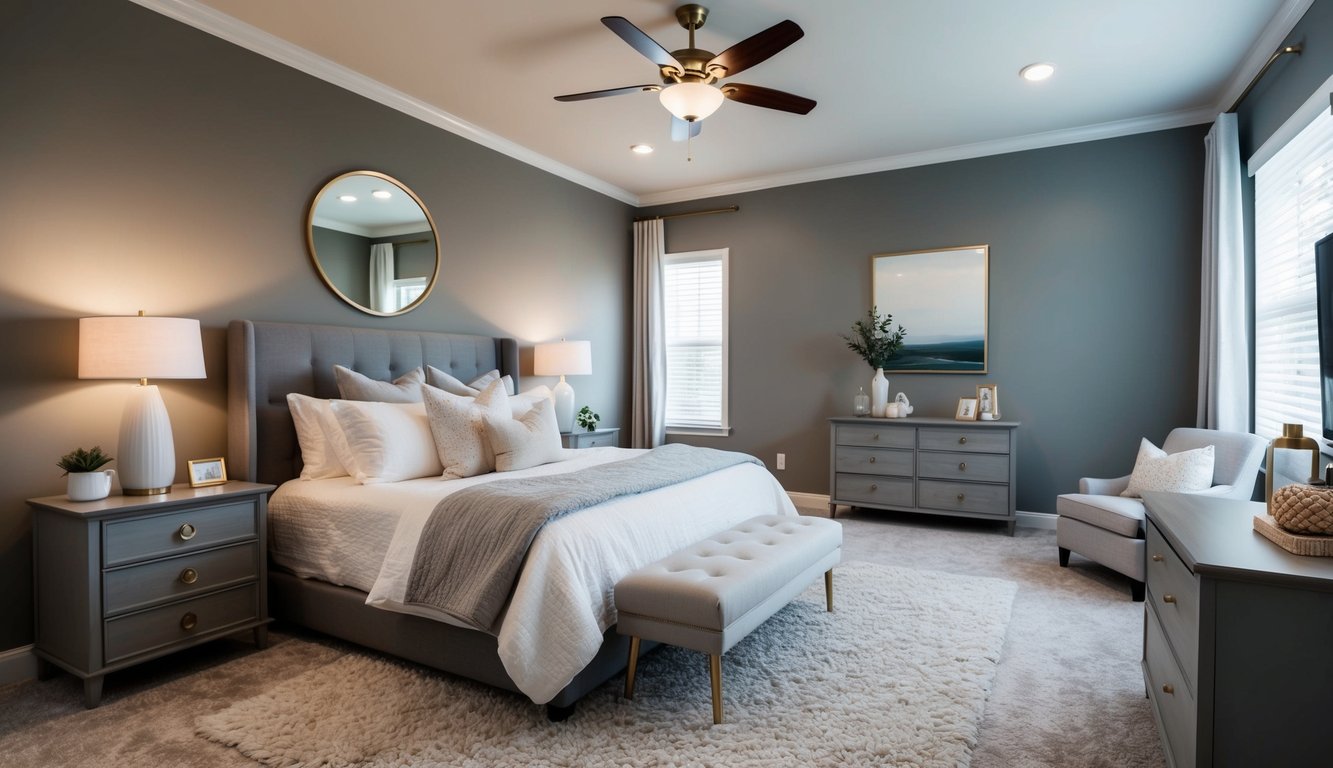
(940, 297)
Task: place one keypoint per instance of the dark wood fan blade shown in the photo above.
(767, 98)
(608, 92)
(756, 48)
(681, 130)
(641, 42)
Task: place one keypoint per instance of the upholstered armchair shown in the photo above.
(1101, 525)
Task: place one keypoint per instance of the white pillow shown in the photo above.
(447, 382)
(1184, 472)
(522, 403)
(527, 441)
(356, 386)
(318, 458)
(387, 441)
(456, 425)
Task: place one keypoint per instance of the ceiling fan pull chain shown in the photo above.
(689, 145)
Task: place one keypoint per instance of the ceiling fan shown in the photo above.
(690, 88)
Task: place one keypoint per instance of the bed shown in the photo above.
(530, 653)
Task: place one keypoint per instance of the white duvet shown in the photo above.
(365, 536)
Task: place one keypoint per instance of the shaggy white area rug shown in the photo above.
(897, 675)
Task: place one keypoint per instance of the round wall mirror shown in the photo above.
(373, 243)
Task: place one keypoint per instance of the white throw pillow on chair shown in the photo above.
(1157, 470)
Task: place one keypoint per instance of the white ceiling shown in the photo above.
(899, 82)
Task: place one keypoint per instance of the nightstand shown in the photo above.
(594, 439)
(129, 578)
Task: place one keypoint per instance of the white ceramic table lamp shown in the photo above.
(142, 348)
(563, 358)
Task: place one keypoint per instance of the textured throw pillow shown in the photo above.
(356, 386)
(522, 403)
(525, 442)
(387, 442)
(1157, 470)
(456, 425)
(447, 382)
(318, 458)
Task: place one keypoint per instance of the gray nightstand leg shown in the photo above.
(45, 669)
(833, 511)
(92, 691)
(261, 637)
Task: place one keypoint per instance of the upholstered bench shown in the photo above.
(711, 594)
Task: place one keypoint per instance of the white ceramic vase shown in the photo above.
(89, 486)
(879, 394)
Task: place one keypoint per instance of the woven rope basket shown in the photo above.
(1303, 509)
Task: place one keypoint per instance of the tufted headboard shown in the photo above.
(266, 361)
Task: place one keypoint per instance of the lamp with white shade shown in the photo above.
(142, 348)
(563, 358)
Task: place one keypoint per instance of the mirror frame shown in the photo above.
(314, 257)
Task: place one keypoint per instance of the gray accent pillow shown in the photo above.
(356, 386)
(451, 384)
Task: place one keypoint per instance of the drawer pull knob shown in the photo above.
(189, 621)
(876, 437)
(962, 440)
(1168, 688)
(1157, 558)
(1168, 598)
(960, 497)
(962, 466)
(189, 576)
(872, 459)
(187, 532)
(874, 486)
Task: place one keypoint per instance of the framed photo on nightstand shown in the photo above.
(207, 472)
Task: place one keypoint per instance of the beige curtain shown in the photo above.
(648, 400)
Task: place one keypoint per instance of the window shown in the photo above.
(694, 290)
(1293, 208)
(408, 289)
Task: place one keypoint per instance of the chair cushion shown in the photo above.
(1112, 513)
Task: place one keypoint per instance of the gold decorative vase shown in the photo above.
(1292, 450)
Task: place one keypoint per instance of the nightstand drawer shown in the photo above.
(139, 586)
(874, 461)
(964, 497)
(969, 440)
(874, 490)
(1174, 593)
(964, 466)
(143, 538)
(151, 630)
(595, 440)
(874, 436)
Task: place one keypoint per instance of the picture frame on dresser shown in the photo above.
(206, 472)
(967, 409)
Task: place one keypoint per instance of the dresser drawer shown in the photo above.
(869, 489)
(964, 466)
(1173, 592)
(151, 630)
(139, 586)
(1171, 697)
(975, 498)
(126, 541)
(969, 440)
(876, 436)
(874, 461)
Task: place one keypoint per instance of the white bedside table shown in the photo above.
(594, 439)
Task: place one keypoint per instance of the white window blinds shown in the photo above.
(1293, 208)
(694, 290)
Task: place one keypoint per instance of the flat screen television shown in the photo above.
(1323, 268)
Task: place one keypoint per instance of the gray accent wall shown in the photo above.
(150, 166)
(1290, 81)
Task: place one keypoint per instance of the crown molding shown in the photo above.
(931, 157)
(1274, 34)
(254, 39)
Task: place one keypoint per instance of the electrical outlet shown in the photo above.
(782, 461)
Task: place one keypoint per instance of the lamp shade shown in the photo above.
(562, 358)
(691, 101)
(140, 348)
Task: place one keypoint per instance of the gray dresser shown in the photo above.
(1238, 640)
(130, 578)
(930, 465)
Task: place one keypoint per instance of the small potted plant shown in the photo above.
(87, 480)
(587, 419)
(874, 339)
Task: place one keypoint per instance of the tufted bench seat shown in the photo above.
(711, 594)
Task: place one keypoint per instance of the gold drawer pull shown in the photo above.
(962, 440)
(874, 486)
(189, 576)
(187, 532)
(872, 459)
(960, 497)
(1168, 598)
(1157, 558)
(1168, 688)
(876, 437)
(962, 466)
(189, 621)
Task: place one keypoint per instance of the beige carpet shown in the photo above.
(897, 675)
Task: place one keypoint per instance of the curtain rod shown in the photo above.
(1279, 53)
(728, 209)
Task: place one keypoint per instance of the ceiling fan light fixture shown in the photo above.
(1035, 73)
(691, 101)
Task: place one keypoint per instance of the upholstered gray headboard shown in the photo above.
(266, 361)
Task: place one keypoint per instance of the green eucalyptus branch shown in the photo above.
(874, 339)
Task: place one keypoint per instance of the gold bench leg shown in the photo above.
(633, 664)
(715, 672)
(828, 588)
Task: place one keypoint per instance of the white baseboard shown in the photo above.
(819, 501)
(17, 665)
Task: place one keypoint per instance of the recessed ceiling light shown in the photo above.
(347, 198)
(641, 149)
(381, 194)
(1037, 72)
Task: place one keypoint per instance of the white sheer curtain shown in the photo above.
(1224, 347)
(648, 417)
(382, 297)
